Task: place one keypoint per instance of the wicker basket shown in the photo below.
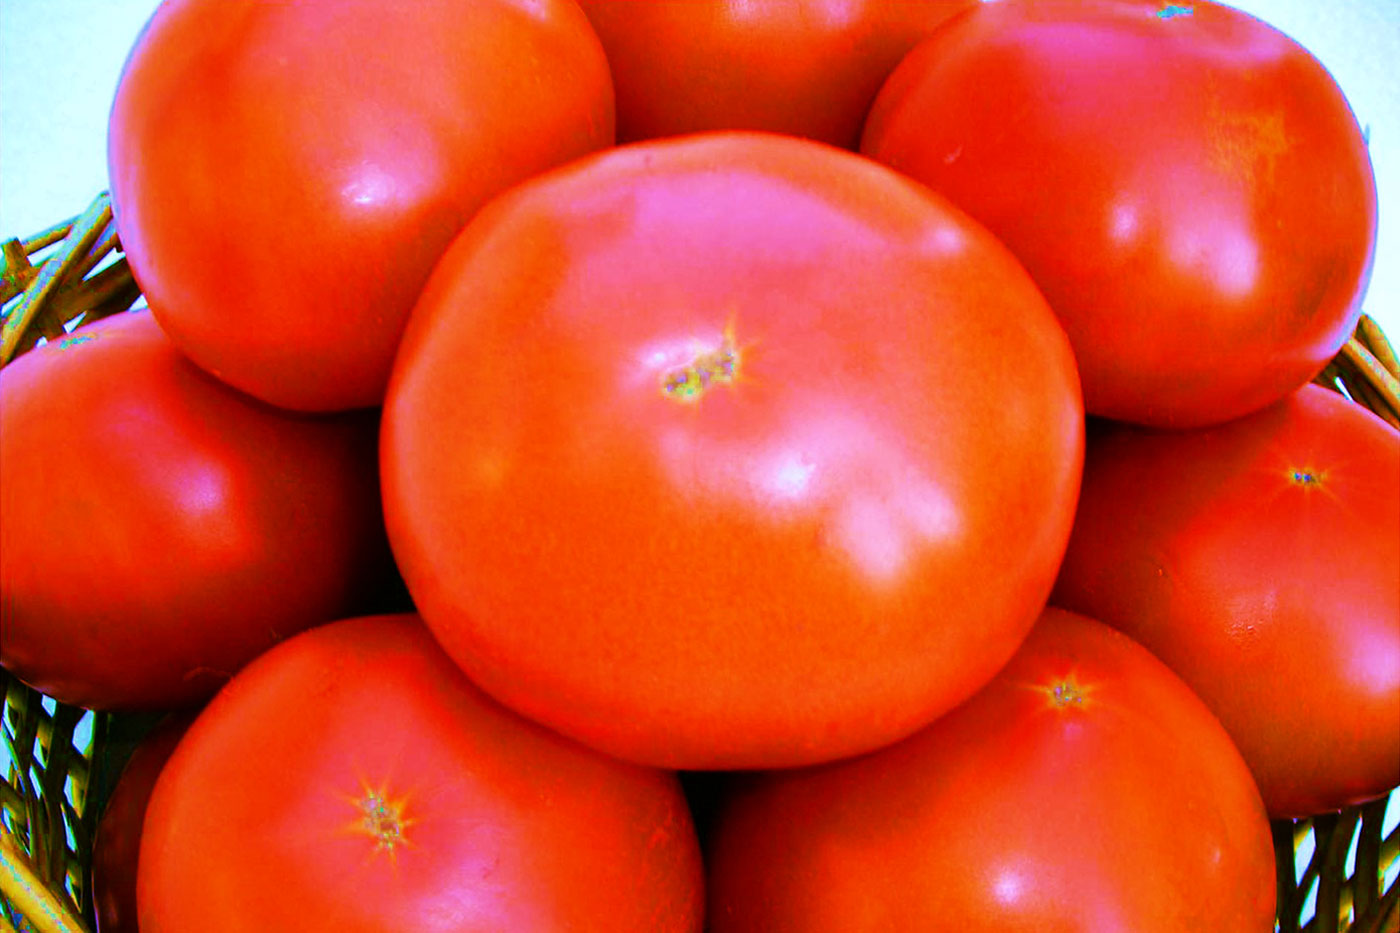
(65, 761)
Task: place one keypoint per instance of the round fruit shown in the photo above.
(1186, 185)
(1085, 788)
(730, 451)
(284, 175)
(1259, 559)
(158, 529)
(352, 779)
(802, 67)
(116, 847)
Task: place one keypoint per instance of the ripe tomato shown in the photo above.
(158, 529)
(352, 779)
(1085, 788)
(116, 847)
(682, 455)
(1186, 185)
(284, 175)
(807, 68)
(1260, 560)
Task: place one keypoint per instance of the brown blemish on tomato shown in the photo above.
(1246, 146)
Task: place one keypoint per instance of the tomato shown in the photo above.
(1085, 788)
(158, 529)
(352, 779)
(284, 175)
(1186, 185)
(1260, 560)
(116, 847)
(682, 456)
(808, 68)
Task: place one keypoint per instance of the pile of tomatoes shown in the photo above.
(785, 466)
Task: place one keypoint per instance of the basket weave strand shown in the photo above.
(44, 804)
(54, 791)
(62, 289)
(42, 910)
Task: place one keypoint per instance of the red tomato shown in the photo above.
(1261, 561)
(730, 451)
(116, 847)
(807, 68)
(352, 779)
(284, 175)
(158, 529)
(1186, 184)
(1085, 788)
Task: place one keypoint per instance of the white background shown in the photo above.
(60, 59)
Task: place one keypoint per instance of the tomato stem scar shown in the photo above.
(689, 382)
(1305, 478)
(1065, 692)
(382, 820)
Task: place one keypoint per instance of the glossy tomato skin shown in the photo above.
(284, 175)
(1260, 560)
(1186, 185)
(116, 848)
(353, 779)
(160, 529)
(1084, 788)
(682, 455)
(804, 68)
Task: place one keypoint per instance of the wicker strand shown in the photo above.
(109, 292)
(37, 811)
(1385, 919)
(1356, 904)
(35, 902)
(1374, 340)
(1385, 384)
(1286, 838)
(1368, 857)
(1332, 845)
(44, 731)
(10, 800)
(17, 272)
(76, 290)
(50, 236)
(53, 273)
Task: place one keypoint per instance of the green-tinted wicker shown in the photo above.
(50, 801)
